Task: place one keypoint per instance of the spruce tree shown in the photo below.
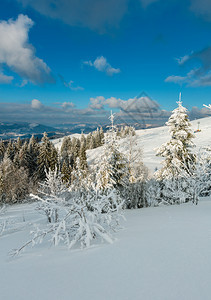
(101, 136)
(2, 150)
(18, 144)
(179, 161)
(33, 152)
(83, 158)
(178, 154)
(112, 164)
(66, 173)
(10, 150)
(47, 158)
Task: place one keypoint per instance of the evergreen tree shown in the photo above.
(97, 138)
(65, 148)
(2, 150)
(66, 173)
(10, 150)
(47, 158)
(101, 136)
(83, 140)
(112, 164)
(178, 151)
(18, 145)
(33, 152)
(24, 159)
(92, 144)
(179, 160)
(75, 147)
(14, 182)
(82, 157)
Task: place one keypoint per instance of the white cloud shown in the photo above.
(4, 79)
(66, 105)
(97, 103)
(18, 54)
(175, 79)
(182, 59)
(101, 64)
(36, 104)
(137, 105)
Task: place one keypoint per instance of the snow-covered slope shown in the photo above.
(162, 254)
(150, 139)
(58, 142)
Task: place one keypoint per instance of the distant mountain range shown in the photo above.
(24, 130)
(10, 130)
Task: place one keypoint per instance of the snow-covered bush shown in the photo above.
(76, 216)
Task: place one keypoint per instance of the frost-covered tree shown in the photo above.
(47, 158)
(33, 152)
(199, 183)
(77, 216)
(2, 150)
(10, 150)
(83, 157)
(179, 162)
(52, 193)
(66, 172)
(101, 136)
(14, 182)
(178, 151)
(135, 180)
(66, 149)
(112, 163)
(18, 144)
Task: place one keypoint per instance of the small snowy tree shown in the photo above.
(76, 216)
(135, 181)
(112, 163)
(51, 195)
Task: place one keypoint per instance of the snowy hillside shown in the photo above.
(150, 139)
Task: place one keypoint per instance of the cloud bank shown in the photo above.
(140, 110)
(18, 55)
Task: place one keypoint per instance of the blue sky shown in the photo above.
(68, 60)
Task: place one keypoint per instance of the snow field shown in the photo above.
(161, 253)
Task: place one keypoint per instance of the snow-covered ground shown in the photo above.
(162, 253)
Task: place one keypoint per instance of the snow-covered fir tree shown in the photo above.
(112, 163)
(179, 159)
(14, 182)
(83, 157)
(177, 152)
(33, 152)
(10, 150)
(135, 179)
(66, 172)
(2, 150)
(47, 158)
